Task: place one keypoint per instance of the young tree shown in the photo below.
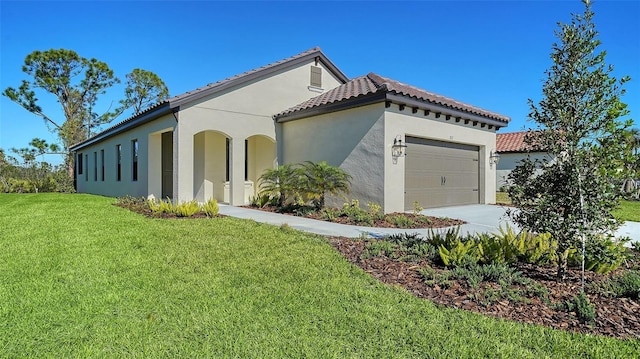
(322, 179)
(572, 197)
(76, 82)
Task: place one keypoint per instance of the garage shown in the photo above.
(439, 174)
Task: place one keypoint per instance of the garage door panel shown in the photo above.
(440, 173)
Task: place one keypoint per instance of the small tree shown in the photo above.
(281, 182)
(579, 123)
(323, 179)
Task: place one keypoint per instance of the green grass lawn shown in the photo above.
(628, 210)
(82, 278)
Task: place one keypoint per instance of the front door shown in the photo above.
(167, 165)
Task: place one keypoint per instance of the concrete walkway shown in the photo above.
(480, 218)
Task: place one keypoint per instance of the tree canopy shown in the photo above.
(580, 123)
(77, 83)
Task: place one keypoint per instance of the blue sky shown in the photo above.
(490, 54)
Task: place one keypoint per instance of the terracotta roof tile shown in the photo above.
(512, 142)
(373, 83)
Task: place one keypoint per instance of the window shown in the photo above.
(134, 160)
(102, 165)
(86, 173)
(316, 76)
(95, 166)
(79, 163)
(118, 162)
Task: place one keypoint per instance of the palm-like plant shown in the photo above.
(322, 179)
(280, 182)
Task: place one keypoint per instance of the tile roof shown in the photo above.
(512, 142)
(373, 83)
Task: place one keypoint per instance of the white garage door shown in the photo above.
(440, 173)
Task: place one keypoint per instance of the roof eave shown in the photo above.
(436, 108)
(332, 107)
(126, 125)
(261, 73)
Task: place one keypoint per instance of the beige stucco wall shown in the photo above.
(239, 113)
(351, 139)
(359, 141)
(147, 153)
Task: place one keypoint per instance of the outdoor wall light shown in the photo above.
(494, 158)
(398, 148)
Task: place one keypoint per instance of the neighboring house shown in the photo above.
(513, 149)
(215, 141)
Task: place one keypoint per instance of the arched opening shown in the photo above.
(209, 165)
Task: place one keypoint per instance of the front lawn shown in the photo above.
(628, 210)
(83, 278)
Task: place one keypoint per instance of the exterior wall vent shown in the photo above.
(316, 76)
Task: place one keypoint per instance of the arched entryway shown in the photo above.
(213, 175)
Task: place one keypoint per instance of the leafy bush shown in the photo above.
(380, 248)
(602, 255)
(186, 209)
(625, 285)
(400, 221)
(580, 304)
(210, 208)
(356, 214)
(262, 200)
(161, 206)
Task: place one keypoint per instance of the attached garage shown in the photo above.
(441, 173)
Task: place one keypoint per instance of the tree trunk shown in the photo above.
(562, 264)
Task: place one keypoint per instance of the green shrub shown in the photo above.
(433, 278)
(210, 208)
(161, 206)
(356, 214)
(380, 248)
(375, 210)
(400, 220)
(417, 208)
(602, 255)
(262, 200)
(186, 209)
(625, 285)
(580, 304)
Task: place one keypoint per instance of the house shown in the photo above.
(401, 144)
(512, 149)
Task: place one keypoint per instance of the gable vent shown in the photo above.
(316, 76)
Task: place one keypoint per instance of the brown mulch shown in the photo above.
(420, 221)
(615, 317)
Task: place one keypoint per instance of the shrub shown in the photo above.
(625, 285)
(356, 214)
(186, 209)
(400, 220)
(379, 248)
(417, 208)
(602, 255)
(210, 208)
(580, 304)
(161, 206)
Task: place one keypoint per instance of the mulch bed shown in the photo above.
(615, 317)
(421, 221)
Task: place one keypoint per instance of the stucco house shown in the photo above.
(512, 149)
(401, 144)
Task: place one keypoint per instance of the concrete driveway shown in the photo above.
(488, 218)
